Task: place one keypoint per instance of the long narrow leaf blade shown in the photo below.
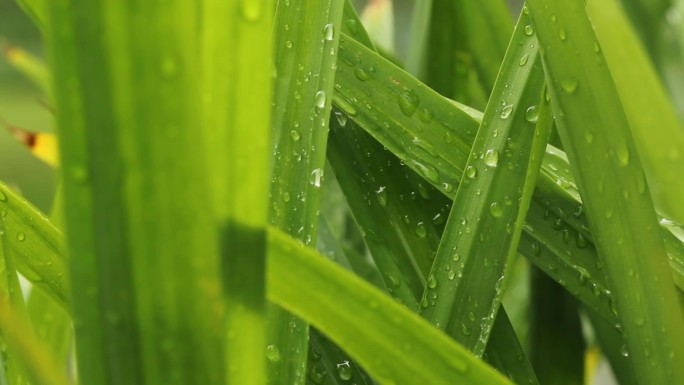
(237, 44)
(127, 111)
(392, 343)
(471, 268)
(603, 157)
(646, 105)
(305, 55)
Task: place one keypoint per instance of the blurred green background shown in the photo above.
(20, 105)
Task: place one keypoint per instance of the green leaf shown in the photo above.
(393, 344)
(37, 244)
(603, 157)
(237, 69)
(506, 354)
(11, 295)
(125, 86)
(557, 345)
(25, 347)
(646, 104)
(37, 11)
(436, 143)
(480, 241)
(381, 191)
(418, 44)
(305, 55)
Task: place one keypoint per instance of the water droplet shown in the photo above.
(426, 116)
(346, 106)
(495, 210)
(421, 231)
(394, 280)
(286, 196)
(506, 111)
(569, 84)
(79, 174)
(329, 32)
(251, 10)
(465, 329)
(362, 75)
(451, 275)
(588, 136)
(288, 44)
(623, 155)
(624, 351)
(639, 320)
(529, 30)
(382, 196)
(273, 353)
(294, 135)
(353, 26)
(562, 35)
(429, 172)
(408, 102)
(491, 158)
(341, 118)
(613, 308)
(344, 371)
(536, 249)
(21, 237)
(432, 282)
(3, 196)
(581, 241)
(532, 114)
(524, 59)
(316, 176)
(319, 101)
(471, 172)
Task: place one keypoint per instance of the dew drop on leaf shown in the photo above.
(329, 32)
(506, 111)
(251, 10)
(316, 176)
(532, 114)
(273, 353)
(529, 30)
(495, 210)
(344, 371)
(421, 231)
(491, 158)
(319, 101)
(471, 172)
(569, 84)
(432, 282)
(408, 102)
(382, 196)
(294, 135)
(341, 118)
(362, 75)
(624, 351)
